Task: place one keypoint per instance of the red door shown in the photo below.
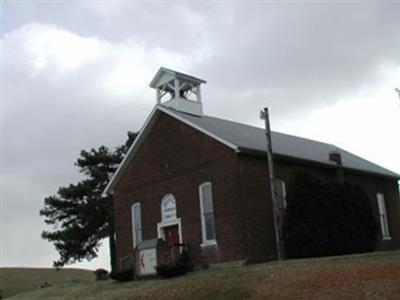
(171, 235)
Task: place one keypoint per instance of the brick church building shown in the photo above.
(196, 179)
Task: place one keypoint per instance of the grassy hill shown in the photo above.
(366, 276)
(20, 280)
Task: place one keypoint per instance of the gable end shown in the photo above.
(142, 135)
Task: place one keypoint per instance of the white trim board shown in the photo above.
(148, 124)
(129, 155)
(162, 225)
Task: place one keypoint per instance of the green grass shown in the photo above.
(365, 276)
(20, 280)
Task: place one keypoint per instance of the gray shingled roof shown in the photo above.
(253, 138)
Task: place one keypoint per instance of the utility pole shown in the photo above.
(264, 115)
(398, 92)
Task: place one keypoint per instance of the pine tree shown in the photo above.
(80, 215)
(327, 218)
(303, 228)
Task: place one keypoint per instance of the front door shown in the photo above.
(171, 234)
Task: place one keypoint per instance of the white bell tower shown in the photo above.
(179, 91)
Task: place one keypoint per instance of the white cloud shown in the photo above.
(123, 66)
(48, 48)
(133, 62)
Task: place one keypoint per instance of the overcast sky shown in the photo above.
(75, 75)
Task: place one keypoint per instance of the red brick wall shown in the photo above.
(257, 208)
(176, 159)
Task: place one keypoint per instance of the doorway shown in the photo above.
(171, 235)
(171, 232)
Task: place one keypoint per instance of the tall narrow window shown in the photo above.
(207, 213)
(136, 224)
(383, 216)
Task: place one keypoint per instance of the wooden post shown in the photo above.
(158, 96)
(176, 88)
(198, 93)
(276, 213)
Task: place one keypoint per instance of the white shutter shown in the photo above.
(280, 192)
(136, 218)
(383, 216)
(207, 213)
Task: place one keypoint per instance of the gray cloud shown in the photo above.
(298, 57)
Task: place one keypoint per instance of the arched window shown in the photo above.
(168, 208)
(207, 214)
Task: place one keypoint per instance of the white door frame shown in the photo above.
(162, 225)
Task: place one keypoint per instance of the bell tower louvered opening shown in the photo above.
(178, 91)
